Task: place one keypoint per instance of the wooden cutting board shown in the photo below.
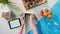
(32, 3)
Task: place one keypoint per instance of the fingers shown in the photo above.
(31, 15)
(22, 25)
(23, 20)
(33, 25)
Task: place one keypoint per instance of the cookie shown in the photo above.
(45, 14)
(50, 12)
(49, 16)
(46, 10)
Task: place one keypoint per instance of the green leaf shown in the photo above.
(4, 1)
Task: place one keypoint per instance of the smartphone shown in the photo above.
(14, 23)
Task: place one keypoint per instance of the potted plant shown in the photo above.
(6, 4)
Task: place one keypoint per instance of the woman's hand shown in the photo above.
(33, 25)
(22, 26)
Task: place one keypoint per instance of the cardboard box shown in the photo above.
(6, 14)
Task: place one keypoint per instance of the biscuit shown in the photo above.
(50, 12)
(46, 10)
(45, 14)
(49, 16)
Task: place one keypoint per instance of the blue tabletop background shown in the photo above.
(51, 26)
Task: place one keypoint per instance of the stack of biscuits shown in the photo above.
(46, 12)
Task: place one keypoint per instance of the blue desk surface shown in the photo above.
(52, 26)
